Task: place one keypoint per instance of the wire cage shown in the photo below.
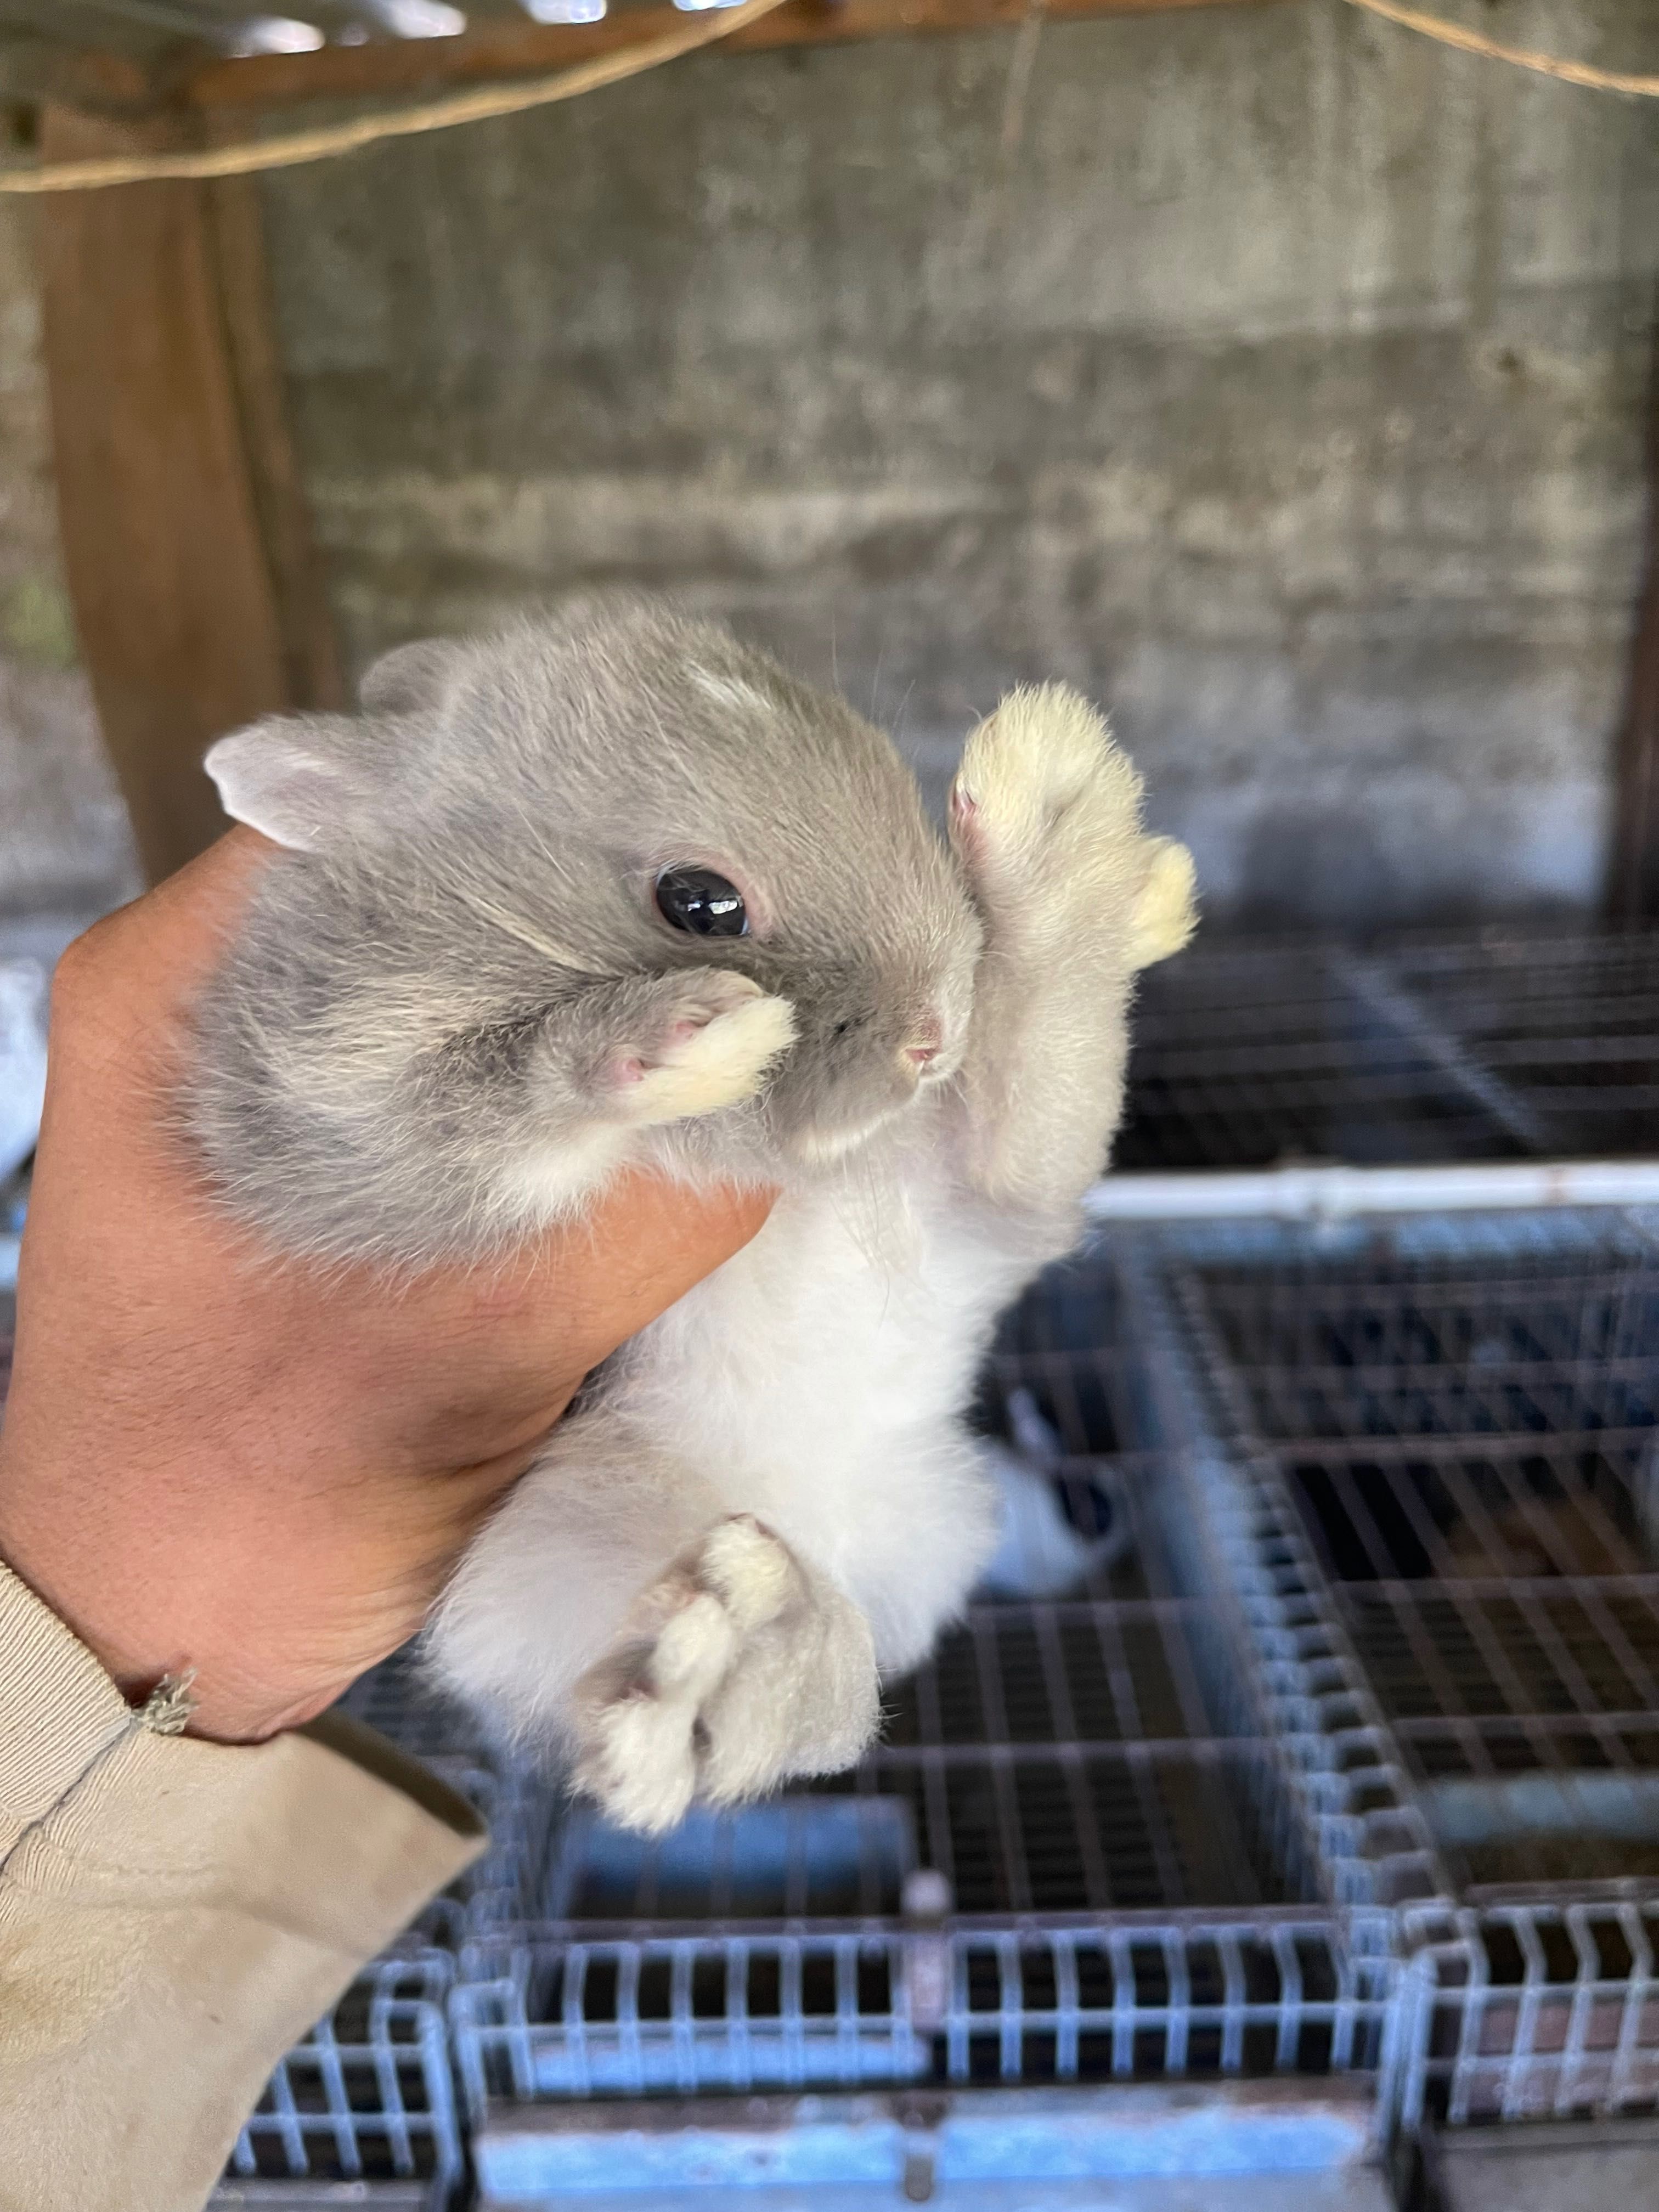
(1537, 2011)
(1490, 1046)
(1302, 1746)
(1078, 1854)
(1457, 1419)
(1247, 1056)
(399, 1700)
(1569, 1024)
(1303, 1733)
(1465, 1428)
(365, 2104)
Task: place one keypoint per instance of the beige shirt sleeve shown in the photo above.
(174, 1914)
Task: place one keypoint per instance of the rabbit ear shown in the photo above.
(1165, 913)
(299, 780)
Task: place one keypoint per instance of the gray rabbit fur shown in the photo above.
(457, 1009)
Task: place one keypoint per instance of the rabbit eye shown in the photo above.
(701, 903)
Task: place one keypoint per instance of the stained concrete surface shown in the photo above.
(1608, 2165)
(1274, 374)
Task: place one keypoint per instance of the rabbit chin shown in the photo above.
(816, 1146)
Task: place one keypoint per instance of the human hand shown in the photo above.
(215, 1458)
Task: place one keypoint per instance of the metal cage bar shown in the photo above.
(367, 2097)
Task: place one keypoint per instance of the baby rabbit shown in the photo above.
(611, 888)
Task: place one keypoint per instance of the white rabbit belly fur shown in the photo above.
(815, 1384)
(844, 1433)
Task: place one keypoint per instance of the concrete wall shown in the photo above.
(64, 839)
(1273, 373)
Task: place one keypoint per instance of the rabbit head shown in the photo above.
(511, 822)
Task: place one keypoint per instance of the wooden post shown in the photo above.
(310, 649)
(184, 537)
(1633, 893)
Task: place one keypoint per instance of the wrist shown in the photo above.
(150, 1610)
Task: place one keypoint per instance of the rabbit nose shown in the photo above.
(924, 1047)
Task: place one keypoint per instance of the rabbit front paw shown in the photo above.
(1043, 808)
(738, 1668)
(694, 1043)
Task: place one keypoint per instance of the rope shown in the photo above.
(1526, 57)
(288, 152)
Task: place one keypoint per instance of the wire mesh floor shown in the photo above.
(1460, 1423)
(516, 1807)
(1391, 1604)
(1538, 2011)
(1501, 1045)
(1090, 1844)
(1471, 1446)
(1570, 1024)
(366, 2099)
(1072, 1856)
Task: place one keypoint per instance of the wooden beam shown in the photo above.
(1633, 891)
(33, 69)
(156, 402)
(311, 656)
(506, 49)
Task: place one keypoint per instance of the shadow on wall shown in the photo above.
(1401, 849)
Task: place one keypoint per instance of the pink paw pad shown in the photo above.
(967, 826)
